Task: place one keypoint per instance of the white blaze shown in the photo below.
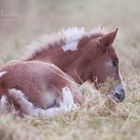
(109, 63)
(120, 86)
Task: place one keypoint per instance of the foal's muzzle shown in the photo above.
(119, 93)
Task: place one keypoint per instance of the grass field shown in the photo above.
(95, 120)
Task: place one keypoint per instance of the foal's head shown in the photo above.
(105, 63)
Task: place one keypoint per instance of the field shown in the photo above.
(21, 22)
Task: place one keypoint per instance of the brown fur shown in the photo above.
(37, 80)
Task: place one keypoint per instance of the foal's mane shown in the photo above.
(70, 37)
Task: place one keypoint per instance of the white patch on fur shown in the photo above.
(2, 73)
(70, 36)
(71, 46)
(67, 97)
(109, 64)
(3, 100)
(4, 104)
(68, 100)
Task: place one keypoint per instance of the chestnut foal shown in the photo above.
(38, 87)
(79, 55)
(84, 56)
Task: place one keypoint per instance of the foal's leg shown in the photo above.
(20, 102)
(5, 104)
(65, 102)
(16, 98)
(68, 100)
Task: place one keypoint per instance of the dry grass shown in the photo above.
(97, 119)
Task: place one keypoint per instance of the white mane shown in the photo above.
(70, 36)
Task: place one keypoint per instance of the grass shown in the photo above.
(97, 119)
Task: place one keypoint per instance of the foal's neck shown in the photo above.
(74, 64)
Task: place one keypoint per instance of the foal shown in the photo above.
(42, 84)
(80, 55)
(85, 56)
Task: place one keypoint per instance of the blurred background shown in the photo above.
(22, 22)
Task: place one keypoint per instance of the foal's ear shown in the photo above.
(107, 39)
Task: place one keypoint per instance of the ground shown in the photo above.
(96, 120)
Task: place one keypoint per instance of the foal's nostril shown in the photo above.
(120, 96)
(119, 93)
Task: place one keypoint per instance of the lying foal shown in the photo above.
(35, 87)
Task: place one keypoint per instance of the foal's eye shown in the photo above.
(115, 62)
